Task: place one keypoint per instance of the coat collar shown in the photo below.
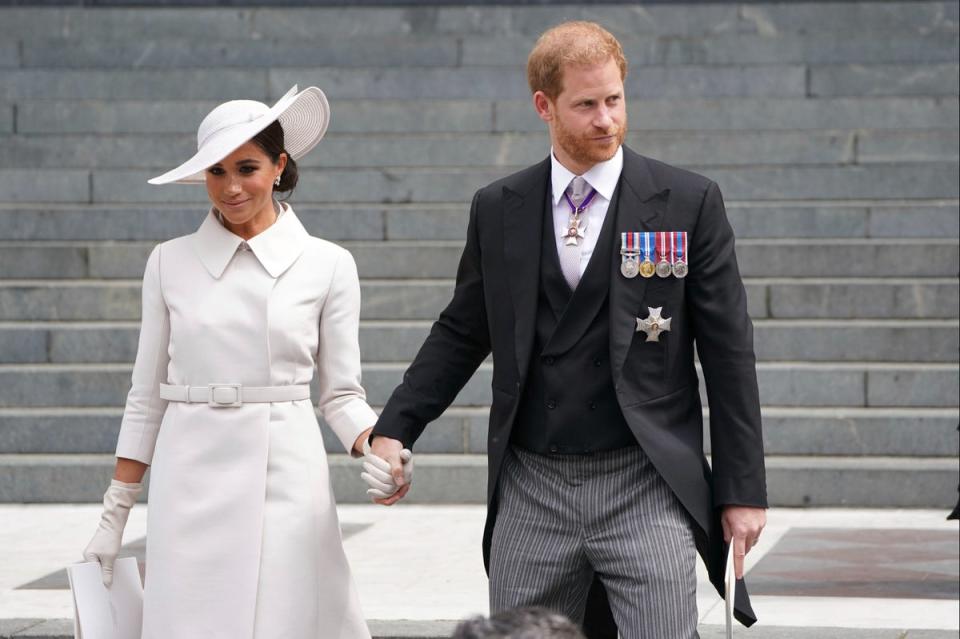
(277, 248)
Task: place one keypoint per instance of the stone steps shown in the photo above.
(912, 180)
(73, 222)
(830, 127)
(484, 150)
(854, 432)
(663, 81)
(119, 51)
(883, 18)
(843, 341)
(768, 298)
(418, 259)
(812, 384)
(791, 481)
(114, 116)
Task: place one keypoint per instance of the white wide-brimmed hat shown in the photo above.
(304, 117)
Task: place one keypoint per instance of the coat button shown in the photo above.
(593, 406)
(551, 404)
(549, 360)
(554, 449)
(597, 362)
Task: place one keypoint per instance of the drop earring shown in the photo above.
(277, 181)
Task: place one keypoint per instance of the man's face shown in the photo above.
(588, 120)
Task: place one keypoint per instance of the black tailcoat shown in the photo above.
(494, 309)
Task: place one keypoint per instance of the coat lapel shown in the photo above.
(523, 206)
(641, 208)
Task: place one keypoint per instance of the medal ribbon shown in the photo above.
(577, 210)
(646, 246)
(662, 241)
(681, 245)
(673, 247)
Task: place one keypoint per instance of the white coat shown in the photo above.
(243, 540)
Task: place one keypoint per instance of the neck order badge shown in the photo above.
(576, 226)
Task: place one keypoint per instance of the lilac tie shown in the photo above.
(570, 253)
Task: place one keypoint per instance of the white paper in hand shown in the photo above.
(730, 589)
(102, 613)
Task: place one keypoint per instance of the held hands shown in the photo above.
(105, 545)
(388, 470)
(742, 525)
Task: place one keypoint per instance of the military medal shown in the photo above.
(647, 268)
(653, 325)
(629, 251)
(663, 264)
(680, 268)
(576, 226)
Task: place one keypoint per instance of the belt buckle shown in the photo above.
(224, 399)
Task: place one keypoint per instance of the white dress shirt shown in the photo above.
(602, 177)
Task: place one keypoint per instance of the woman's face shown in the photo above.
(241, 185)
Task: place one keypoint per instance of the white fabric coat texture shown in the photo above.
(243, 539)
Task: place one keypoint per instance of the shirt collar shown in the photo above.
(602, 176)
(277, 247)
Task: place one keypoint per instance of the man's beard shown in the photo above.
(583, 150)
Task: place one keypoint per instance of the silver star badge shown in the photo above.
(575, 232)
(653, 325)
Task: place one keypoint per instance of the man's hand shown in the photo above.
(389, 450)
(742, 525)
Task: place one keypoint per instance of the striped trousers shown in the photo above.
(563, 518)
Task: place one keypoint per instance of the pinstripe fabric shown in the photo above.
(562, 518)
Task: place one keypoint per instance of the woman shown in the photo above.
(243, 538)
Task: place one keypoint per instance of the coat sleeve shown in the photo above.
(458, 343)
(144, 409)
(724, 337)
(342, 402)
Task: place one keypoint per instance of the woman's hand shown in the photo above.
(387, 473)
(105, 545)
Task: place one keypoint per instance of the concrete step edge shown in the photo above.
(53, 628)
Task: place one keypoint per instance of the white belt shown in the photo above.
(233, 395)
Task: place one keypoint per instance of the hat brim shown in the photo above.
(304, 117)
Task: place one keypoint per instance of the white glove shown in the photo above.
(105, 545)
(377, 472)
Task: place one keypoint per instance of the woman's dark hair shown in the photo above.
(271, 141)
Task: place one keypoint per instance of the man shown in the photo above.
(596, 465)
